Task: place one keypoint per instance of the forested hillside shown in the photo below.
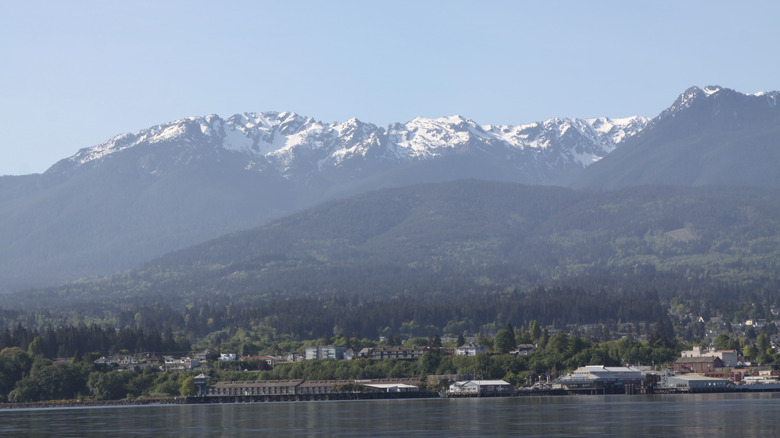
(469, 252)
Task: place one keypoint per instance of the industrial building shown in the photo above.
(599, 379)
(696, 383)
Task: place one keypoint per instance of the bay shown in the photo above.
(611, 416)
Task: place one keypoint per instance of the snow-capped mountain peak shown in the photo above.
(295, 144)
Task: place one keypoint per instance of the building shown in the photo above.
(470, 350)
(328, 352)
(320, 386)
(524, 349)
(602, 379)
(392, 387)
(490, 387)
(203, 355)
(201, 384)
(696, 383)
(293, 357)
(248, 388)
(400, 353)
(227, 357)
(311, 387)
(700, 365)
(729, 358)
(446, 380)
(270, 360)
(180, 364)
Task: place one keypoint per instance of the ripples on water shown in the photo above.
(704, 415)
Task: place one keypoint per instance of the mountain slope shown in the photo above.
(710, 136)
(113, 206)
(467, 233)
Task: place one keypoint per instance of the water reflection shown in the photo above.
(689, 415)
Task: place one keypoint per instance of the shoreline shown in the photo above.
(67, 404)
(54, 404)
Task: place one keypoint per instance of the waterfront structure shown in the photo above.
(391, 387)
(201, 384)
(311, 387)
(696, 383)
(260, 387)
(602, 379)
(484, 387)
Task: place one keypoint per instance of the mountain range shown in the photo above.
(114, 206)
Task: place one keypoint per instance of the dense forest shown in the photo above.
(278, 321)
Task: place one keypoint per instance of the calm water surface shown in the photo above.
(617, 416)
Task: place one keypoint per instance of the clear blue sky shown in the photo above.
(77, 73)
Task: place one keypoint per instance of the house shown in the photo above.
(106, 361)
(524, 349)
(470, 350)
(481, 387)
(227, 357)
(202, 356)
(270, 360)
(180, 364)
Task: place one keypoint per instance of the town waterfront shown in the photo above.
(654, 415)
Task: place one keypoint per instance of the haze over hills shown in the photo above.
(463, 236)
(116, 205)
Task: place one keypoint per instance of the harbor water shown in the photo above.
(611, 416)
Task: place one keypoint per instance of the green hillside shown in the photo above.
(467, 232)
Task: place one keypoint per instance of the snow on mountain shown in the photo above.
(290, 141)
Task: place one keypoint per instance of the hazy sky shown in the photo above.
(75, 74)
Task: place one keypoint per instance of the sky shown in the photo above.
(75, 74)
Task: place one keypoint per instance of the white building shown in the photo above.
(480, 387)
(180, 364)
(470, 350)
(329, 352)
(696, 383)
(600, 377)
